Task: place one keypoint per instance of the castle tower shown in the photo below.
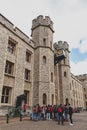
(42, 35)
(64, 74)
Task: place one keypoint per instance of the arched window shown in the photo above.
(44, 59)
(44, 99)
(64, 73)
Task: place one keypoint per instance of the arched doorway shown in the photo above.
(44, 99)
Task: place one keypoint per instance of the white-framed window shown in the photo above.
(28, 56)
(27, 74)
(6, 95)
(9, 67)
(11, 46)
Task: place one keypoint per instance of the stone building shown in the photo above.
(83, 80)
(27, 67)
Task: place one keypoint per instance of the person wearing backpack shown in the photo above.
(48, 112)
(60, 113)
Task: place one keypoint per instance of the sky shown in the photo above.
(70, 24)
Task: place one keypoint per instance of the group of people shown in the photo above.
(61, 113)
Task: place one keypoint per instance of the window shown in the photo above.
(6, 95)
(44, 59)
(44, 99)
(51, 45)
(64, 73)
(27, 74)
(28, 57)
(51, 76)
(11, 46)
(44, 42)
(9, 67)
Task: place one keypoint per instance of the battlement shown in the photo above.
(82, 77)
(75, 78)
(10, 26)
(62, 44)
(43, 21)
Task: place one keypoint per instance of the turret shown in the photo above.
(40, 20)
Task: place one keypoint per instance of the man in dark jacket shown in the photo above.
(70, 114)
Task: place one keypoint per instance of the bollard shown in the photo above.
(7, 119)
(20, 117)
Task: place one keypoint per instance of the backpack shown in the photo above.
(60, 110)
(48, 109)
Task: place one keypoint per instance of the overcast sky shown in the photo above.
(70, 23)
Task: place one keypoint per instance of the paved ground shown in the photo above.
(80, 123)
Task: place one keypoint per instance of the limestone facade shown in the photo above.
(27, 66)
(83, 80)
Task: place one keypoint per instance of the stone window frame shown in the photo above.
(6, 95)
(27, 75)
(9, 67)
(28, 56)
(11, 46)
(44, 99)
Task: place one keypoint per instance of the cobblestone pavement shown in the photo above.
(80, 123)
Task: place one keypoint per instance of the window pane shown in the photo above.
(5, 95)
(11, 46)
(3, 91)
(28, 57)
(9, 67)
(7, 91)
(6, 99)
(2, 100)
(27, 74)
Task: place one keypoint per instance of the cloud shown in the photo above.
(79, 68)
(69, 17)
(83, 45)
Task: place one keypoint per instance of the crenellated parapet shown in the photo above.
(40, 20)
(62, 45)
(11, 27)
(82, 77)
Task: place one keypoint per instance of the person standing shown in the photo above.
(70, 114)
